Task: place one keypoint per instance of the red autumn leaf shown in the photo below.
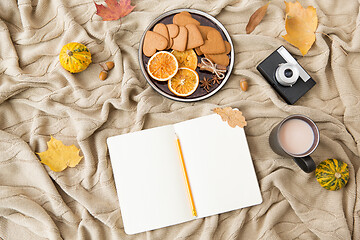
(114, 9)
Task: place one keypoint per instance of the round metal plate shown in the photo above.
(200, 94)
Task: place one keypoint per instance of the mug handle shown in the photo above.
(306, 163)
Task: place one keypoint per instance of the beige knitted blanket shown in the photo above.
(38, 98)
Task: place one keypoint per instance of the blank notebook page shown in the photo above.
(149, 179)
(219, 165)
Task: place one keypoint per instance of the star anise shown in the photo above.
(205, 84)
(215, 79)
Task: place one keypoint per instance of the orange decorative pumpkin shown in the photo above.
(75, 57)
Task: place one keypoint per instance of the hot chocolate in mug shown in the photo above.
(296, 136)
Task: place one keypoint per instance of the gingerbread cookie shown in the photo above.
(227, 47)
(161, 29)
(153, 42)
(204, 30)
(173, 30)
(214, 44)
(186, 13)
(194, 38)
(223, 58)
(198, 51)
(220, 59)
(170, 44)
(184, 18)
(180, 41)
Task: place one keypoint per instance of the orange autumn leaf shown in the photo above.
(300, 25)
(59, 156)
(232, 116)
(256, 18)
(114, 9)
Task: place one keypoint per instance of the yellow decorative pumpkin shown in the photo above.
(332, 174)
(75, 57)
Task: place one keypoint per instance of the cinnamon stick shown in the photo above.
(204, 67)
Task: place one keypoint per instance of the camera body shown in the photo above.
(286, 75)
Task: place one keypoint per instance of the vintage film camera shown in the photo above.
(286, 75)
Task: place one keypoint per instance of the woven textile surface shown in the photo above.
(39, 98)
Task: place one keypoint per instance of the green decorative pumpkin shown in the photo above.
(332, 174)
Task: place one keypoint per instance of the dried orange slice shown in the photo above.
(184, 83)
(162, 66)
(186, 58)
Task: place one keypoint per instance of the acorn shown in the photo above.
(106, 66)
(103, 75)
(244, 85)
(109, 65)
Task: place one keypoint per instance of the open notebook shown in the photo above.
(149, 177)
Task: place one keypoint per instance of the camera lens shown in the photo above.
(288, 73)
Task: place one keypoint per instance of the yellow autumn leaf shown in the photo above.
(59, 156)
(232, 116)
(300, 25)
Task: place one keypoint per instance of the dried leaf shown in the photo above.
(59, 156)
(114, 9)
(300, 25)
(256, 18)
(232, 116)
